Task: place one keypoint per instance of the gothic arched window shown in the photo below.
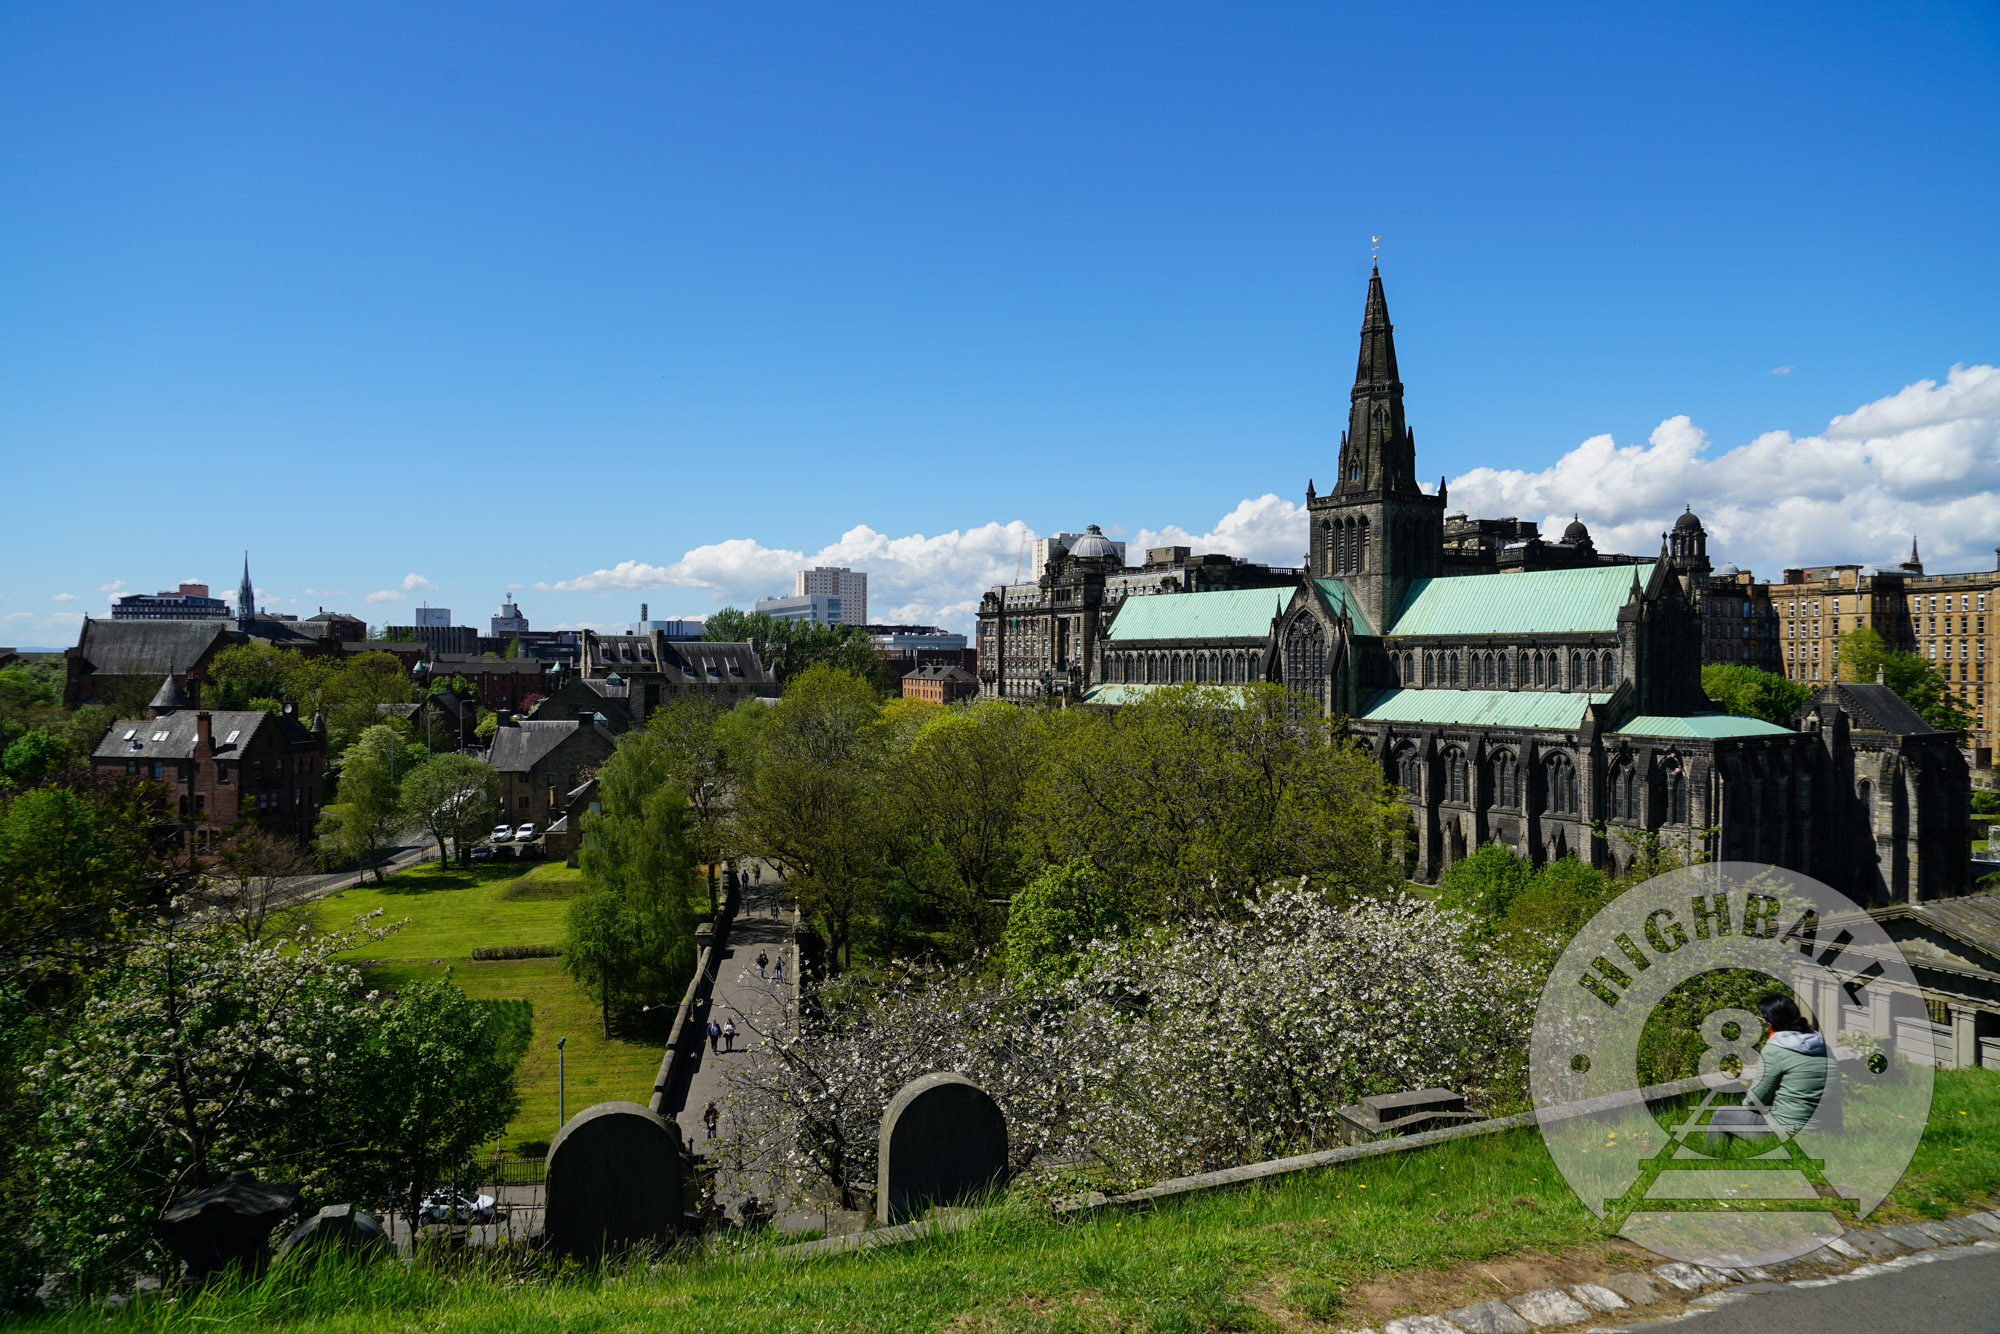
(1454, 775)
(1305, 657)
(1201, 671)
(1676, 793)
(1430, 668)
(1505, 663)
(1454, 668)
(1575, 669)
(1410, 770)
(1561, 786)
(1361, 545)
(1505, 775)
(1605, 672)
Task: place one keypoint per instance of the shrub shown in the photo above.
(517, 952)
(1055, 915)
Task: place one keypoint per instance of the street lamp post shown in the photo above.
(562, 1117)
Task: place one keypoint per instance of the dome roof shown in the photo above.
(1576, 532)
(1092, 543)
(1726, 571)
(1687, 521)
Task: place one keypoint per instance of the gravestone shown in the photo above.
(944, 1140)
(614, 1178)
(1402, 1114)
(225, 1225)
(342, 1227)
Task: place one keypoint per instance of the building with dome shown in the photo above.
(1538, 694)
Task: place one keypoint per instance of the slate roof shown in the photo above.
(1973, 920)
(173, 737)
(1343, 601)
(1244, 613)
(1879, 709)
(1712, 726)
(518, 748)
(1550, 709)
(939, 671)
(1537, 602)
(147, 648)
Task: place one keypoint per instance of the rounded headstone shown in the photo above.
(614, 1178)
(944, 1140)
(341, 1227)
(225, 1225)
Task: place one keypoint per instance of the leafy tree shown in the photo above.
(629, 937)
(1560, 897)
(1057, 914)
(488, 724)
(369, 812)
(453, 797)
(1198, 797)
(33, 756)
(77, 863)
(815, 804)
(954, 792)
(432, 1079)
(1861, 654)
(1484, 883)
(685, 733)
(349, 690)
(1749, 693)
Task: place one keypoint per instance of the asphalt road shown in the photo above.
(1958, 1293)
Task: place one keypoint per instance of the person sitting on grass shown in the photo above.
(1790, 1082)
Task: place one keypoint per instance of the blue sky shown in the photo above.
(612, 303)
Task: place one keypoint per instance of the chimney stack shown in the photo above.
(204, 733)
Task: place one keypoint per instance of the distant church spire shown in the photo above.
(1377, 454)
(246, 598)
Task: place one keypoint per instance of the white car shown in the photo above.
(501, 833)
(526, 833)
(444, 1207)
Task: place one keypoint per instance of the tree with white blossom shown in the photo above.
(1217, 1041)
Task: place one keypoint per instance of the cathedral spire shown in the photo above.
(1377, 454)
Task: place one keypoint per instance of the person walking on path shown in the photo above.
(778, 972)
(729, 1035)
(763, 962)
(710, 1117)
(714, 1036)
(757, 874)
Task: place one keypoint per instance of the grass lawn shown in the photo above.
(454, 911)
(1334, 1246)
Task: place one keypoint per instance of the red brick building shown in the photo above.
(223, 765)
(940, 683)
(513, 684)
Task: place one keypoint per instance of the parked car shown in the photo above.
(444, 1207)
(526, 833)
(482, 853)
(501, 833)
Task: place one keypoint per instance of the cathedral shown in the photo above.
(1540, 695)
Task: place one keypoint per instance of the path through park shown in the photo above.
(759, 1004)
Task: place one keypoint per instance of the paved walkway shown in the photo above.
(759, 1005)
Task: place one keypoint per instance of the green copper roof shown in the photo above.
(1343, 601)
(1554, 709)
(1536, 603)
(1240, 614)
(1713, 726)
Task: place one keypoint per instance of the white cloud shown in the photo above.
(1922, 462)
(388, 595)
(413, 581)
(55, 630)
(324, 592)
(62, 597)
(113, 588)
(1781, 370)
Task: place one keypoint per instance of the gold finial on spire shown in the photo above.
(1376, 252)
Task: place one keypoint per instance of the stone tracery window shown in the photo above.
(1305, 657)
(1560, 790)
(1505, 779)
